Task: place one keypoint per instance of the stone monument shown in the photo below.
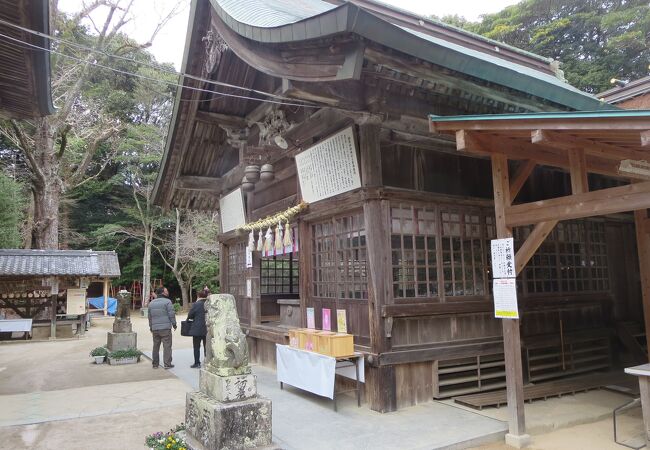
(226, 412)
(122, 337)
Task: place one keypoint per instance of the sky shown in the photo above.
(169, 43)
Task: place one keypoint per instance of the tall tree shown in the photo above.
(594, 40)
(12, 207)
(67, 149)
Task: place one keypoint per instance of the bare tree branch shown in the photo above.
(28, 150)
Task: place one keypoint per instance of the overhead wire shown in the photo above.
(169, 83)
(146, 64)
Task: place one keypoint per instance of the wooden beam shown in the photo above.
(555, 124)
(578, 171)
(645, 138)
(486, 144)
(521, 175)
(195, 183)
(532, 243)
(511, 336)
(221, 119)
(597, 203)
(566, 141)
(643, 249)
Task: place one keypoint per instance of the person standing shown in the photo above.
(198, 328)
(161, 321)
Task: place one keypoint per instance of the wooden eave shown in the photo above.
(25, 90)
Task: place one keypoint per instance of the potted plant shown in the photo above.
(128, 356)
(99, 354)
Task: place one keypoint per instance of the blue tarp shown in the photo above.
(98, 302)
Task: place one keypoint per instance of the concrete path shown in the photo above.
(305, 421)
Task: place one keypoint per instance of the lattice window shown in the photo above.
(236, 269)
(413, 249)
(463, 252)
(541, 272)
(572, 250)
(598, 256)
(279, 275)
(339, 258)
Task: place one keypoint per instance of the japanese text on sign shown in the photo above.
(232, 210)
(505, 298)
(503, 258)
(329, 168)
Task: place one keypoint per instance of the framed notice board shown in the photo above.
(232, 210)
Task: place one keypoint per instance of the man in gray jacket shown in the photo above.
(161, 321)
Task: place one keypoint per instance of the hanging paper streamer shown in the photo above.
(251, 241)
(260, 242)
(278, 239)
(287, 236)
(268, 241)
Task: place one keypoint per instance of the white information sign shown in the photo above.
(503, 258)
(75, 302)
(329, 168)
(249, 258)
(505, 298)
(232, 210)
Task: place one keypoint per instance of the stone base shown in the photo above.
(121, 341)
(122, 326)
(212, 425)
(518, 440)
(227, 389)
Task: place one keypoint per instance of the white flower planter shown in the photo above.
(99, 359)
(120, 361)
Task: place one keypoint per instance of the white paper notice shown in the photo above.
(503, 258)
(75, 302)
(231, 208)
(329, 168)
(505, 298)
(249, 258)
(249, 288)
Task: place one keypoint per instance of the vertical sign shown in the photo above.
(231, 208)
(327, 319)
(341, 321)
(329, 168)
(504, 284)
(249, 258)
(311, 322)
(503, 258)
(249, 288)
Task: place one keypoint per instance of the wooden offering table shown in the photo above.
(316, 373)
(643, 372)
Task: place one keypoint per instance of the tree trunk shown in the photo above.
(46, 188)
(182, 284)
(146, 270)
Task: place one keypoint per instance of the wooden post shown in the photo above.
(304, 255)
(105, 293)
(223, 268)
(253, 274)
(511, 339)
(381, 380)
(643, 250)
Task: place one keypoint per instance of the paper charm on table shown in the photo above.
(287, 236)
(278, 239)
(251, 241)
(260, 241)
(268, 240)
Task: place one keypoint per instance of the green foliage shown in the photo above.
(99, 351)
(12, 205)
(128, 353)
(177, 306)
(594, 40)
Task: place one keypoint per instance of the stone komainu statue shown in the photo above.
(123, 306)
(227, 342)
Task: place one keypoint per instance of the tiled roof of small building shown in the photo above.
(58, 262)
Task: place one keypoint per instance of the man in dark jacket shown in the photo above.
(161, 321)
(198, 329)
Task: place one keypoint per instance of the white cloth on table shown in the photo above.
(311, 371)
(8, 325)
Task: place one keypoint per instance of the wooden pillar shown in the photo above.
(511, 337)
(644, 393)
(304, 255)
(253, 274)
(643, 249)
(223, 268)
(105, 293)
(381, 380)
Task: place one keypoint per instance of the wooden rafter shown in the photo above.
(565, 141)
(578, 171)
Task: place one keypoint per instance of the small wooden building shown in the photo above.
(36, 285)
(633, 95)
(406, 251)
